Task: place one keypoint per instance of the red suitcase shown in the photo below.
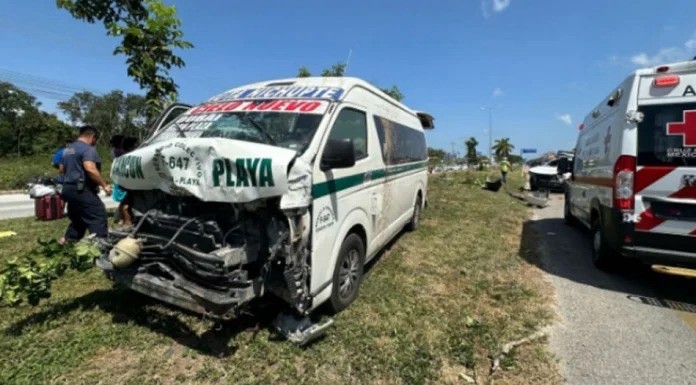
(48, 208)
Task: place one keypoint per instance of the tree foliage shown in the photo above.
(24, 129)
(150, 32)
(394, 92)
(336, 70)
(503, 147)
(471, 155)
(112, 113)
(339, 69)
(303, 72)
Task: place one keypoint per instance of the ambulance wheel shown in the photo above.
(603, 257)
(568, 217)
(415, 219)
(347, 273)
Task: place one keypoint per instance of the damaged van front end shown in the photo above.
(221, 213)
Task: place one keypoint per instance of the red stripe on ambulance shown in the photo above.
(649, 175)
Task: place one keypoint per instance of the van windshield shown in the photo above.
(293, 131)
(664, 135)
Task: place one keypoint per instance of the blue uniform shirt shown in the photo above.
(57, 157)
(73, 169)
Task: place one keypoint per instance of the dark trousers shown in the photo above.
(86, 211)
(504, 175)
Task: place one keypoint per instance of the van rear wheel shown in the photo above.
(415, 218)
(347, 273)
(603, 257)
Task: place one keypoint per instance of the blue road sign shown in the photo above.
(529, 150)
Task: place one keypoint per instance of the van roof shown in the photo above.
(344, 83)
(327, 88)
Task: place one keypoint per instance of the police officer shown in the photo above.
(81, 181)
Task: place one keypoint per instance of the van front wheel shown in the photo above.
(347, 273)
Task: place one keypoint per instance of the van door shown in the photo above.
(345, 194)
(665, 183)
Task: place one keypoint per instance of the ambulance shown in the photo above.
(633, 180)
(285, 188)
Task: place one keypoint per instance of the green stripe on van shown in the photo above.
(335, 185)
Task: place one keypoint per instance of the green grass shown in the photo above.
(439, 302)
(15, 172)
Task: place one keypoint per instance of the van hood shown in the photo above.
(216, 170)
(544, 170)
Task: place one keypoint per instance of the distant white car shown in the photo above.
(547, 176)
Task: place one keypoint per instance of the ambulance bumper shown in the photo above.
(654, 256)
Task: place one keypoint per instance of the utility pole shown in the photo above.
(490, 133)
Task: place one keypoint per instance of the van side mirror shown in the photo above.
(338, 153)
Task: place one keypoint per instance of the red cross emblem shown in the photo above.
(686, 128)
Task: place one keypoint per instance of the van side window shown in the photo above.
(399, 143)
(352, 124)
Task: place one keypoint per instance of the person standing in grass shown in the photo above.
(505, 168)
(82, 179)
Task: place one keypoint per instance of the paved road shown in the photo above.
(20, 205)
(615, 328)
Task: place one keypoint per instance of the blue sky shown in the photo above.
(541, 64)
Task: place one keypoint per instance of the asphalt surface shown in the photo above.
(20, 205)
(632, 327)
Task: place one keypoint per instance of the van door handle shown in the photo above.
(367, 177)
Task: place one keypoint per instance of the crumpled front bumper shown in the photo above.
(174, 289)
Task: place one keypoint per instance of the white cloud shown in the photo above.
(497, 92)
(500, 5)
(665, 55)
(565, 118)
(496, 6)
(662, 56)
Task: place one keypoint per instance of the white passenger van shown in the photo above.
(634, 174)
(286, 187)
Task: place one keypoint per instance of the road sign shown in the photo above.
(529, 150)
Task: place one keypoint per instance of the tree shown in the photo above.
(303, 72)
(503, 147)
(150, 33)
(24, 129)
(336, 70)
(112, 113)
(394, 92)
(77, 106)
(435, 156)
(339, 69)
(471, 155)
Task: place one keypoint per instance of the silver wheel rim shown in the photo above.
(348, 274)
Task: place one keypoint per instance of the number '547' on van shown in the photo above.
(634, 172)
(284, 187)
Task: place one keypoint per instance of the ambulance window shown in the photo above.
(659, 147)
(352, 124)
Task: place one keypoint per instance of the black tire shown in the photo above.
(533, 183)
(568, 217)
(415, 218)
(603, 257)
(347, 273)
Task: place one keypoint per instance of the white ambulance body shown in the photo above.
(286, 186)
(634, 173)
